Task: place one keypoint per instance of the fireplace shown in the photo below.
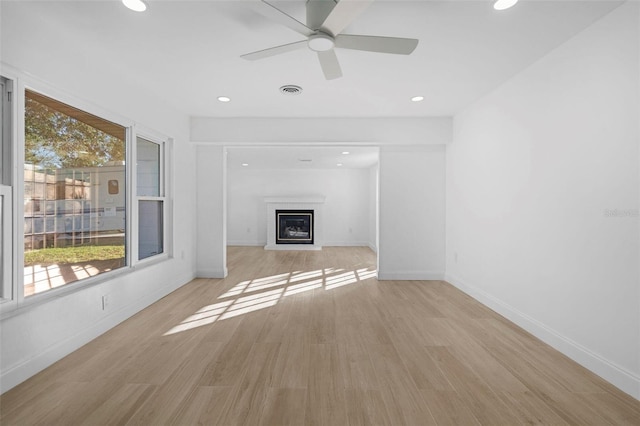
(312, 205)
(294, 226)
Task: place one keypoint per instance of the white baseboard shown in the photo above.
(372, 247)
(625, 380)
(345, 244)
(39, 362)
(246, 243)
(409, 275)
(289, 247)
(324, 244)
(212, 273)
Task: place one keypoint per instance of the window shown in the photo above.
(81, 196)
(6, 202)
(151, 197)
(74, 195)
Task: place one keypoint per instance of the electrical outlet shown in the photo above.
(106, 300)
(455, 257)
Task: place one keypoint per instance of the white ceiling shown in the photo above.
(187, 53)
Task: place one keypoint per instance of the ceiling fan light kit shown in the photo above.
(325, 21)
(321, 42)
(504, 4)
(135, 5)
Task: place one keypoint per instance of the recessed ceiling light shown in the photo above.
(345, 152)
(339, 164)
(224, 98)
(135, 5)
(417, 99)
(504, 4)
(245, 164)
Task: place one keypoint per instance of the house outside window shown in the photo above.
(75, 223)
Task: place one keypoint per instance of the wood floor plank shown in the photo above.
(532, 375)
(325, 392)
(356, 367)
(167, 351)
(423, 370)
(64, 404)
(574, 408)
(483, 364)
(366, 407)
(275, 326)
(249, 396)
(402, 399)
(167, 398)
(530, 409)
(204, 406)
(312, 337)
(121, 405)
(228, 368)
(284, 407)
(613, 409)
(321, 327)
(448, 408)
(480, 398)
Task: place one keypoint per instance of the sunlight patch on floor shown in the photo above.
(301, 288)
(252, 304)
(264, 292)
(340, 280)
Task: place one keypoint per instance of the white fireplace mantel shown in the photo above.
(314, 203)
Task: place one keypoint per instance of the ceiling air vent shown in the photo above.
(290, 89)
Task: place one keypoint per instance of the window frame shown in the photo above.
(18, 302)
(6, 251)
(7, 292)
(166, 145)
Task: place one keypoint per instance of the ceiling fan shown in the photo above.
(325, 21)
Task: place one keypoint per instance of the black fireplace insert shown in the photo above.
(294, 226)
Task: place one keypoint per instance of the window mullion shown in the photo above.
(132, 199)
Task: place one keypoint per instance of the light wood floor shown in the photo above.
(313, 338)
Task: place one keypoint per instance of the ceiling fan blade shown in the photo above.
(344, 12)
(330, 65)
(272, 51)
(275, 14)
(399, 46)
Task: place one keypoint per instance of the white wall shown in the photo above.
(211, 211)
(373, 208)
(533, 174)
(416, 165)
(412, 213)
(345, 211)
(37, 335)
